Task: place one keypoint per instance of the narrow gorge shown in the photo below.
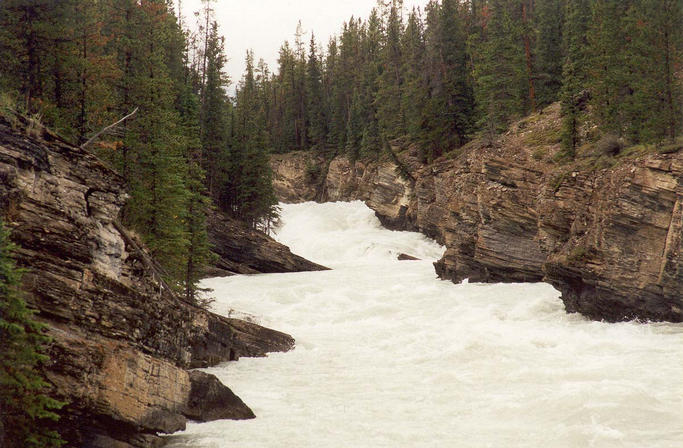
(608, 238)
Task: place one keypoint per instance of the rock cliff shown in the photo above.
(608, 238)
(122, 343)
(240, 249)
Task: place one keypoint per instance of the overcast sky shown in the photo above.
(263, 25)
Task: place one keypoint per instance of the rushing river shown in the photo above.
(389, 356)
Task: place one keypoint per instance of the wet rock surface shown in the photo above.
(608, 239)
(122, 343)
(211, 400)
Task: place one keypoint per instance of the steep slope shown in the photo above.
(122, 343)
(605, 230)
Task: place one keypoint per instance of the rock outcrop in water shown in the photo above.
(609, 239)
(122, 344)
(243, 250)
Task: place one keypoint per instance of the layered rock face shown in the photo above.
(243, 250)
(122, 344)
(608, 239)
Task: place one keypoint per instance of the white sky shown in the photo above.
(263, 25)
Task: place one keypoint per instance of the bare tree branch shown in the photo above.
(111, 126)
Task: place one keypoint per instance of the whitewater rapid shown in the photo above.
(389, 356)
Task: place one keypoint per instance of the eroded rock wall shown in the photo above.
(121, 342)
(608, 239)
(240, 249)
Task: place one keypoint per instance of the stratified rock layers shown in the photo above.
(243, 250)
(609, 240)
(121, 342)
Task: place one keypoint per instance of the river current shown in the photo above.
(388, 355)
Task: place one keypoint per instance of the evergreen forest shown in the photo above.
(435, 78)
(456, 70)
(78, 66)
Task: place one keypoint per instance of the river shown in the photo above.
(388, 355)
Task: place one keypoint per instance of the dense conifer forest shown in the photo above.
(436, 78)
(80, 65)
(458, 69)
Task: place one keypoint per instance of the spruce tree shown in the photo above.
(415, 88)
(250, 189)
(26, 410)
(388, 100)
(335, 93)
(448, 117)
(197, 202)
(213, 123)
(317, 113)
(574, 74)
(158, 191)
(653, 110)
(548, 50)
(609, 82)
(500, 69)
(371, 47)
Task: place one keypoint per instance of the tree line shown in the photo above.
(79, 65)
(440, 76)
(436, 77)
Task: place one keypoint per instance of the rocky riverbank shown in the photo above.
(605, 230)
(122, 343)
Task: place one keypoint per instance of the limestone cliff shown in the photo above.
(608, 238)
(122, 343)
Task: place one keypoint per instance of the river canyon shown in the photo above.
(388, 355)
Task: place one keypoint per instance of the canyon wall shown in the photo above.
(609, 239)
(122, 343)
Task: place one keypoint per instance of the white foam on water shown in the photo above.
(387, 355)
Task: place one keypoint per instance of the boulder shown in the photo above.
(211, 400)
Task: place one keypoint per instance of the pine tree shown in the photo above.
(157, 206)
(609, 83)
(25, 408)
(448, 115)
(213, 112)
(500, 69)
(317, 113)
(574, 75)
(388, 100)
(653, 31)
(548, 50)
